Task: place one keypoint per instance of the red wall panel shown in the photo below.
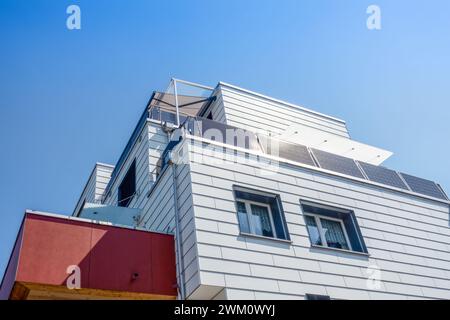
(122, 253)
(107, 256)
(164, 264)
(49, 246)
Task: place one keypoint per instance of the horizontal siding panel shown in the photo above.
(406, 258)
(275, 114)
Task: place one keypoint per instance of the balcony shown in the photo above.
(114, 262)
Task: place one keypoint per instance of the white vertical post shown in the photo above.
(176, 101)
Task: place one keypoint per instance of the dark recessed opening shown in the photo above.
(127, 188)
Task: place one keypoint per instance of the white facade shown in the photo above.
(407, 238)
(407, 234)
(249, 110)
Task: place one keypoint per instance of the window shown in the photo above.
(327, 232)
(210, 116)
(127, 188)
(260, 214)
(332, 228)
(316, 297)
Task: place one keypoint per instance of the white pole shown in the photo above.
(176, 101)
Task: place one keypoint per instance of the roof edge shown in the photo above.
(96, 222)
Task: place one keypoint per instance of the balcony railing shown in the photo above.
(182, 99)
(47, 246)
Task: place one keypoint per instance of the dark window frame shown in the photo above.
(348, 221)
(264, 199)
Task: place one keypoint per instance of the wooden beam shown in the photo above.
(19, 292)
(36, 291)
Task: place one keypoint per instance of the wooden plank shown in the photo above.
(37, 291)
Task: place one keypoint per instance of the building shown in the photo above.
(269, 200)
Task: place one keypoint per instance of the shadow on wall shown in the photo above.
(109, 258)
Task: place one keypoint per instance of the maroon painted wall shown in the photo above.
(107, 256)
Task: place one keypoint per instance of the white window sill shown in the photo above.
(364, 254)
(251, 235)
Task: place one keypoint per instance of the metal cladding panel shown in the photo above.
(382, 175)
(337, 163)
(110, 258)
(424, 186)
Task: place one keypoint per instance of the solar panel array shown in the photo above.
(424, 186)
(383, 175)
(337, 163)
(325, 160)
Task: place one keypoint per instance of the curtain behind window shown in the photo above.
(334, 234)
(261, 219)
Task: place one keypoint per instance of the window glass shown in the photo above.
(260, 214)
(334, 234)
(261, 220)
(333, 227)
(313, 230)
(243, 217)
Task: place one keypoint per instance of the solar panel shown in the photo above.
(423, 186)
(337, 163)
(286, 150)
(382, 175)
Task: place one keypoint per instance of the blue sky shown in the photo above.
(71, 98)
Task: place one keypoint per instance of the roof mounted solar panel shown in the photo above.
(383, 175)
(423, 186)
(337, 163)
(297, 153)
(286, 150)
